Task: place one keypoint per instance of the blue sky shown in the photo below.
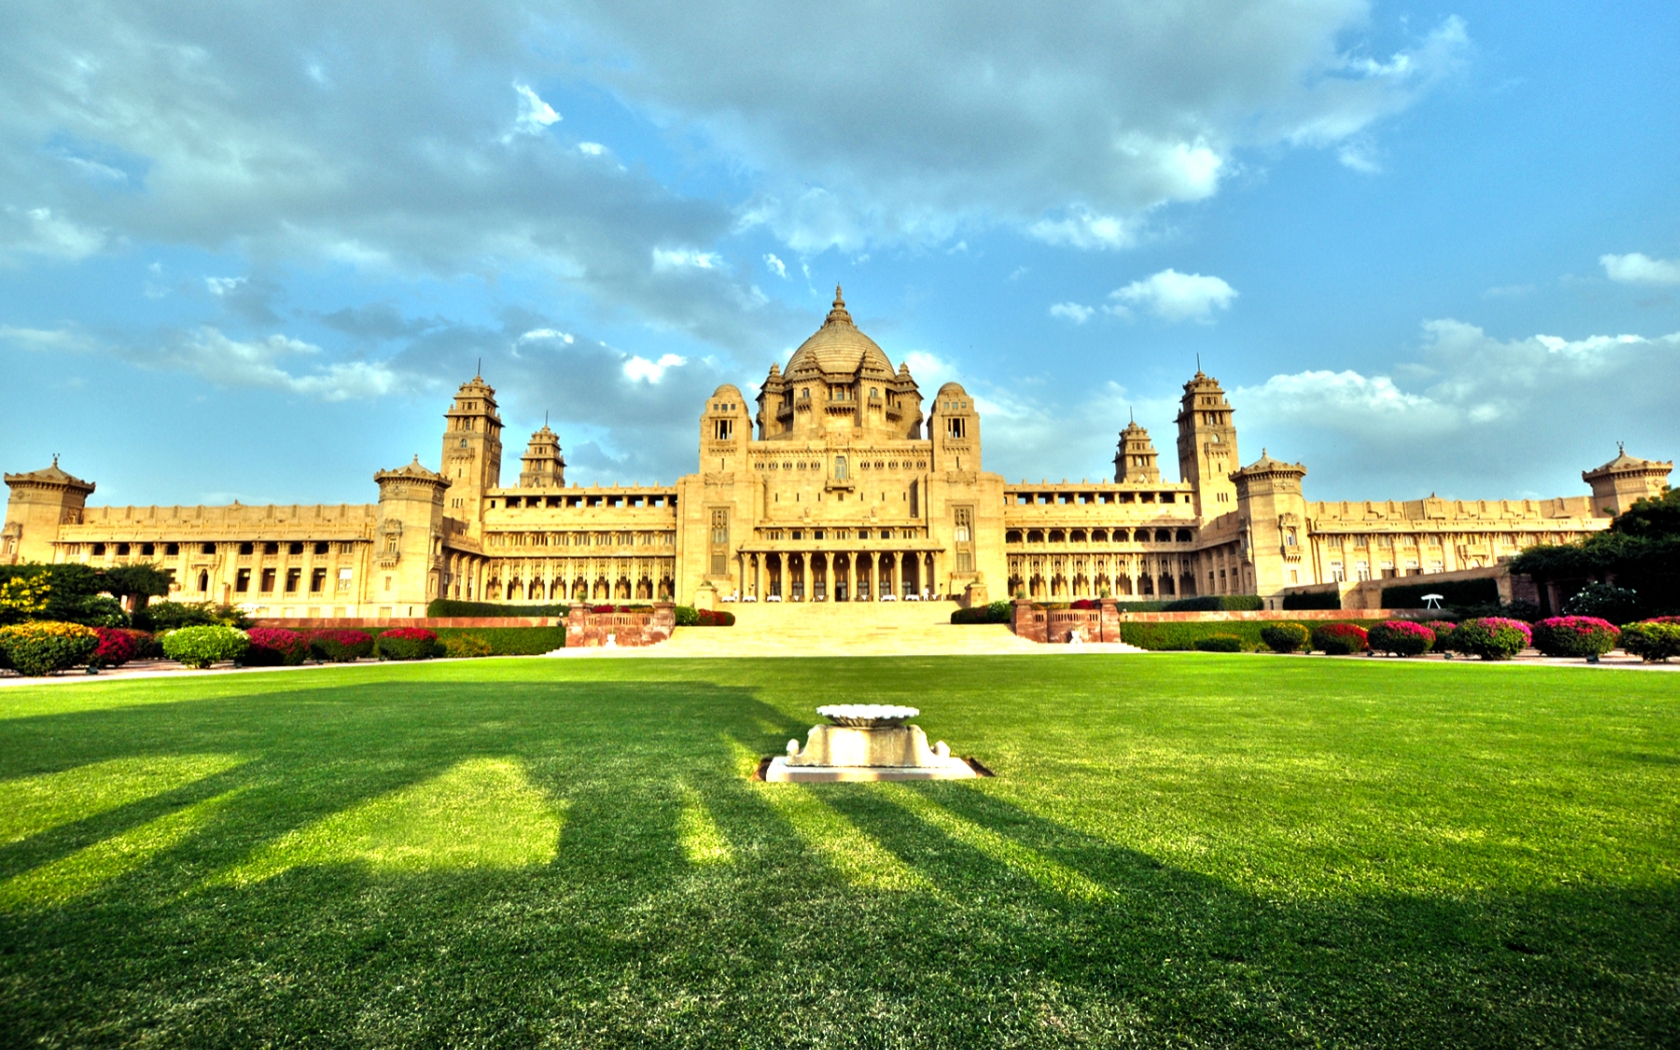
(247, 250)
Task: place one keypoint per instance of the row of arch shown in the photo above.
(1145, 585)
(1141, 535)
(841, 576)
(581, 588)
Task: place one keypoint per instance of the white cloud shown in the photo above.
(1474, 412)
(1639, 268)
(38, 231)
(1176, 296)
(534, 113)
(684, 258)
(591, 149)
(220, 286)
(1072, 312)
(776, 265)
(547, 333)
(652, 371)
(258, 363)
(1080, 227)
(47, 339)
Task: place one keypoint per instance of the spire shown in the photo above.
(838, 314)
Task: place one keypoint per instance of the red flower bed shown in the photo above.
(1085, 603)
(1339, 639)
(276, 647)
(720, 618)
(117, 646)
(407, 643)
(1575, 636)
(339, 645)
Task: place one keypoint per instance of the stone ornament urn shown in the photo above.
(867, 742)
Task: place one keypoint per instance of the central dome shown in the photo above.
(838, 346)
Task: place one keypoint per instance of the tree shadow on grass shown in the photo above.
(948, 916)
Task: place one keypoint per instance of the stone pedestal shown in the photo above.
(872, 744)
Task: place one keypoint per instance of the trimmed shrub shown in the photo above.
(43, 647)
(1401, 637)
(1313, 600)
(718, 618)
(1285, 637)
(1339, 639)
(687, 616)
(116, 647)
(1651, 640)
(169, 616)
(406, 643)
(1492, 637)
(1456, 593)
(1220, 643)
(466, 646)
(276, 647)
(441, 608)
(996, 612)
(1181, 637)
(1575, 636)
(1215, 603)
(205, 644)
(339, 645)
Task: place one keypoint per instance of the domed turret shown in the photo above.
(838, 348)
(839, 383)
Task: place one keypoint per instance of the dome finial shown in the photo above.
(839, 312)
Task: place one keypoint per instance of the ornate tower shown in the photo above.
(472, 448)
(1135, 457)
(1617, 485)
(955, 430)
(1273, 519)
(725, 431)
(1207, 446)
(543, 466)
(40, 502)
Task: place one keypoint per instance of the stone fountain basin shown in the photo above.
(867, 716)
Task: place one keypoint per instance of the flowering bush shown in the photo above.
(1575, 636)
(467, 645)
(1220, 643)
(276, 647)
(42, 647)
(1085, 603)
(1492, 637)
(406, 643)
(1339, 639)
(116, 647)
(1653, 640)
(1443, 635)
(1285, 637)
(205, 644)
(1401, 637)
(340, 645)
(719, 618)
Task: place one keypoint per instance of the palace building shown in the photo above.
(840, 481)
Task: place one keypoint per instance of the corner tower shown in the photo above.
(1207, 446)
(1273, 517)
(40, 502)
(472, 447)
(1618, 484)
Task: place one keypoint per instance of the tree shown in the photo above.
(1640, 551)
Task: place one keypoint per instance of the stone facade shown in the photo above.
(838, 482)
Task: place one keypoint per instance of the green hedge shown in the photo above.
(1326, 600)
(510, 641)
(1182, 637)
(1216, 603)
(443, 608)
(1457, 594)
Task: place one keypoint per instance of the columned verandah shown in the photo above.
(835, 575)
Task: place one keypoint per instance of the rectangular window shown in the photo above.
(268, 581)
(317, 581)
(293, 578)
(344, 579)
(242, 580)
(962, 537)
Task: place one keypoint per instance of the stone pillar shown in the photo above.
(897, 574)
(758, 576)
(805, 575)
(851, 577)
(930, 579)
(828, 575)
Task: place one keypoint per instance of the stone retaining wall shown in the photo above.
(643, 627)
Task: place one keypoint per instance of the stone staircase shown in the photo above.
(830, 629)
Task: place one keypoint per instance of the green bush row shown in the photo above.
(996, 612)
(1182, 637)
(1215, 603)
(444, 608)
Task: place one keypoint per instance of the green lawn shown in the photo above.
(1190, 850)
